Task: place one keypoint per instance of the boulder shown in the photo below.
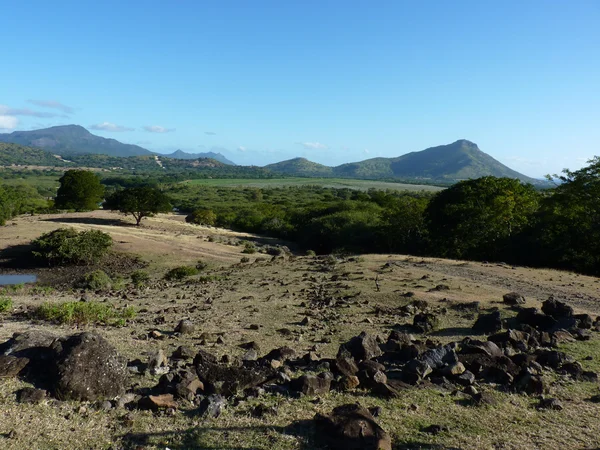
(556, 309)
(535, 319)
(513, 299)
(425, 322)
(88, 367)
(11, 366)
(156, 402)
(361, 347)
(311, 385)
(488, 323)
(484, 347)
(352, 427)
(212, 406)
(185, 327)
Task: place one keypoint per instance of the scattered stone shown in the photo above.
(352, 427)
(183, 352)
(362, 347)
(425, 322)
(488, 323)
(311, 385)
(556, 309)
(250, 355)
(156, 402)
(347, 383)
(513, 299)
(31, 395)
(212, 406)
(185, 327)
(550, 403)
(435, 429)
(220, 340)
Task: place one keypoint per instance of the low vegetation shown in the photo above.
(80, 313)
(67, 246)
(96, 280)
(6, 304)
(179, 273)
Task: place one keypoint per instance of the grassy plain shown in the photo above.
(252, 302)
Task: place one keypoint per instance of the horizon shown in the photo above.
(269, 82)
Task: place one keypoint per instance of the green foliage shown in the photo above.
(202, 217)
(244, 259)
(96, 280)
(310, 253)
(19, 199)
(6, 304)
(66, 246)
(81, 313)
(249, 247)
(476, 219)
(181, 272)
(79, 190)
(140, 202)
(140, 278)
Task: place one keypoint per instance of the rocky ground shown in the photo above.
(277, 351)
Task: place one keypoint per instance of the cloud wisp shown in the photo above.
(210, 133)
(52, 104)
(157, 129)
(108, 126)
(313, 145)
(8, 111)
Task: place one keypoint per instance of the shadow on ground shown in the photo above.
(90, 221)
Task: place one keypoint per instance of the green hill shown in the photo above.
(19, 155)
(301, 167)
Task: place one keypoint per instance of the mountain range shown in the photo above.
(445, 163)
(68, 140)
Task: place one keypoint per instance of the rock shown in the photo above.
(488, 323)
(550, 403)
(425, 322)
(552, 358)
(126, 400)
(155, 334)
(185, 327)
(305, 321)
(31, 395)
(466, 378)
(513, 299)
(263, 410)
(88, 367)
(484, 398)
(361, 347)
(311, 385)
(435, 429)
(220, 340)
(11, 366)
(348, 383)
(352, 427)
(280, 354)
(584, 321)
(187, 385)
(532, 317)
(529, 383)
(346, 366)
(156, 402)
(183, 352)
(228, 380)
(250, 355)
(582, 335)
(156, 360)
(454, 369)
(556, 309)
(484, 347)
(212, 406)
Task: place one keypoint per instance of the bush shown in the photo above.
(201, 265)
(140, 278)
(66, 246)
(310, 253)
(83, 313)
(274, 251)
(179, 273)
(96, 280)
(249, 248)
(244, 259)
(202, 217)
(6, 304)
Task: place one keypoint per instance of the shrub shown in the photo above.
(244, 259)
(201, 265)
(83, 313)
(96, 280)
(310, 253)
(140, 278)
(6, 304)
(179, 273)
(274, 251)
(202, 217)
(66, 246)
(249, 248)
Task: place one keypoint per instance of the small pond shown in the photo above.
(17, 279)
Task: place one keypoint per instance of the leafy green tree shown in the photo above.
(140, 202)
(476, 219)
(403, 227)
(202, 217)
(568, 228)
(79, 190)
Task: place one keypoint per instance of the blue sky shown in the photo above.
(333, 81)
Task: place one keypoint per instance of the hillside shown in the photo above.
(457, 161)
(15, 154)
(180, 154)
(67, 140)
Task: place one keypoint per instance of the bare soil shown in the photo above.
(255, 301)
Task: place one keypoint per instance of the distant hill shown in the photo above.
(301, 167)
(457, 161)
(179, 154)
(69, 140)
(15, 154)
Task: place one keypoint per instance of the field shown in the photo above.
(339, 183)
(232, 303)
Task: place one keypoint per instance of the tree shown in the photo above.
(140, 202)
(202, 217)
(477, 219)
(568, 226)
(79, 190)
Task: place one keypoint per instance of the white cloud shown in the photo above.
(8, 122)
(313, 145)
(157, 129)
(107, 126)
(367, 151)
(241, 148)
(7, 110)
(52, 104)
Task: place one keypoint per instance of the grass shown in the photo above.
(363, 185)
(6, 304)
(70, 313)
